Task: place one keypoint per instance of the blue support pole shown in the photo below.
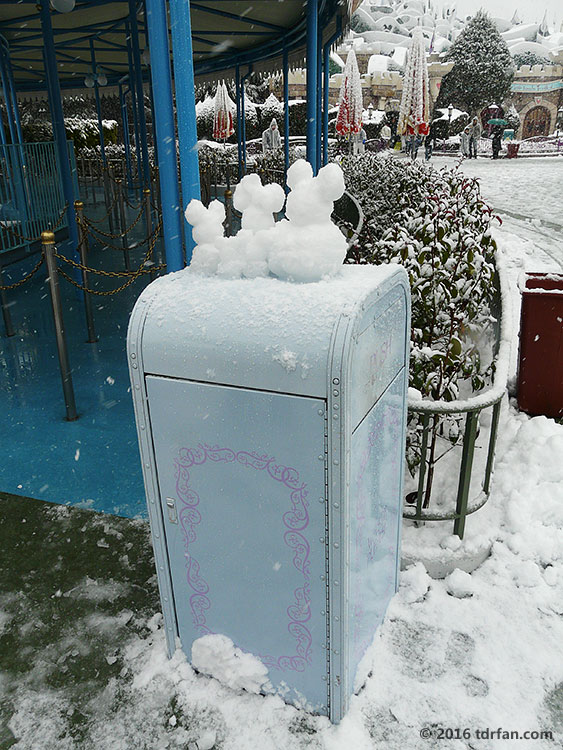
(312, 59)
(157, 26)
(98, 105)
(3, 140)
(134, 105)
(326, 80)
(239, 124)
(126, 142)
(151, 96)
(8, 99)
(326, 74)
(286, 109)
(319, 91)
(138, 80)
(13, 97)
(15, 157)
(182, 55)
(57, 116)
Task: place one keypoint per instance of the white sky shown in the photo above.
(528, 10)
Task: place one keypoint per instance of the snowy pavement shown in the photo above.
(454, 660)
(527, 194)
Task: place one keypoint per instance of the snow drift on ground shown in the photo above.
(472, 652)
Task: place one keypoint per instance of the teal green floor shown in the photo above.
(93, 462)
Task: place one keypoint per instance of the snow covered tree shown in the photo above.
(530, 58)
(272, 107)
(483, 69)
(512, 118)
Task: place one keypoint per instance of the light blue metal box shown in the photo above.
(271, 421)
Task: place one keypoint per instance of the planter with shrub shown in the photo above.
(438, 226)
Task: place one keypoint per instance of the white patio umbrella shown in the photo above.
(223, 126)
(414, 112)
(350, 104)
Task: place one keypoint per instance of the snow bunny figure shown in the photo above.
(308, 245)
(257, 202)
(207, 233)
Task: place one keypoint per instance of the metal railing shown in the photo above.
(433, 415)
(31, 193)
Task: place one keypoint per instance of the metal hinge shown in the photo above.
(172, 513)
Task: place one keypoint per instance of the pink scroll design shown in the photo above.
(295, 520)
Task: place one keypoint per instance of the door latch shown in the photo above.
(172, 514)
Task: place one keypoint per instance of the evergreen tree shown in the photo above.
(483, 69)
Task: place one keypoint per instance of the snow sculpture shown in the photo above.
(305, 246)
(207, 233)
(257, 202)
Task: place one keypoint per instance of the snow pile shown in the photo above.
(460, 584)
(217, 656)
(306, 246)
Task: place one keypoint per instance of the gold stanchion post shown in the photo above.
(48, 242)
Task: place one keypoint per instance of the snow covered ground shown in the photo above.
(454, 660)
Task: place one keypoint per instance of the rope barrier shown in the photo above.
(27, 277)
(132, 275)
(108, 234)
(105, 216)
(36, 239)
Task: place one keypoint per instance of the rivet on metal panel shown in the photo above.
(147, 466)
(337, 583)
(321, 412)
(323, 612)
(322, 540)
(337, 618)
(321, 499)
(152, 501)
(335, 393)
(321, 458)
(336, 381)
(335, 462)
(137, 387)
(322, 578)
(165, 598)
(335, 651)
(142, 427)
(323, 677)
(335, 406)
(336, 545)
(133, 355)
(336, 505)
(134, 365)
(335, 416)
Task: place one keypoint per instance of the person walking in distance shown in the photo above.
(474, 137)
(271, 140)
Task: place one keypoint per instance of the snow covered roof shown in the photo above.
(378, 63)
(392, 22)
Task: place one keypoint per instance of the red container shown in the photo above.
(512, 149)
(540, 364)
